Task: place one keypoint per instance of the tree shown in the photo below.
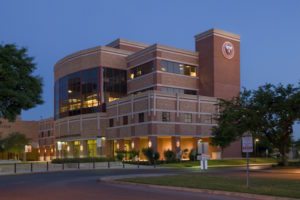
(15, 143)
(151, 155)
(169, 155)
(19, 88)
(268, 112)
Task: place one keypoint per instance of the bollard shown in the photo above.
(31, 167)
(138, 165)
(154, 164)
(108, 164)
(15, 168)
(47, 166)
(78, 166)
(123, 164)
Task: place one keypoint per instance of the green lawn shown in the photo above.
(266, 186)
(219, 163)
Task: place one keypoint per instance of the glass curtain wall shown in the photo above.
(79, 92)
(114, 84)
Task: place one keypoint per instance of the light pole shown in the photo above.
(256, 141)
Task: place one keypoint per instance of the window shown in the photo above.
(111, 122)
(125, 120)
(178, 68)
(141, 117)
(79, 92)
(141, 70)
(114, 84)
(178, 90)
(48, 133)
(187, 118)
(165, 116)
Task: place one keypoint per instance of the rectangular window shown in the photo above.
(141, 117)
(125, 120)
(111, 122)
(165, 116)
(178, 68)
(187, 118)
(178, 90)
(141, 70)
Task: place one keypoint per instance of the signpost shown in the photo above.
(247, 146)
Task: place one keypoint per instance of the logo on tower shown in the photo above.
(228, 50)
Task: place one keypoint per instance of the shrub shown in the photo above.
(169, 155)
(151, 155)
(133, 153)
(193, 155)
(120, 154)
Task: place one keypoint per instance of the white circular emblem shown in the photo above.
(228, 50)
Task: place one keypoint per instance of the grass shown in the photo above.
(264, 186)
(218, 163)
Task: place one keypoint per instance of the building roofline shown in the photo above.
(218, 32)
(157, 47)
(127, 42)
(89, 51)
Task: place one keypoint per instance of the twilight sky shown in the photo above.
(269, 29)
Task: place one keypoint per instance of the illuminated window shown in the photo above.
(178, 68)
(187, 117)
(92, 148)
(141, 70)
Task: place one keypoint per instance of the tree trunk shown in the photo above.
(283, 151)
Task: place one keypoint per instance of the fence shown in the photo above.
(15, 168)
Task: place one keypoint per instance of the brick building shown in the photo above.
(28, 128)
(128, 95)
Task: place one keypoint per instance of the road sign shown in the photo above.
(247, 144)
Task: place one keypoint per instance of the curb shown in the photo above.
(112, 180)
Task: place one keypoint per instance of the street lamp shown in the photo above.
(256, 141)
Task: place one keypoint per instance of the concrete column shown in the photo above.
(195, 142)
(120, 144)
(135, 144)
(152, 142)
(176, 144)
(70, 149)
(84, 151)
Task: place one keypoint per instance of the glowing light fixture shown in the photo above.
(177, 143)
(150, 144)
(132, 144)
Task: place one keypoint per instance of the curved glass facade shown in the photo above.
(87, 91)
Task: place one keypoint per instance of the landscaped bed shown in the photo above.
(220, 163)
(258, 185)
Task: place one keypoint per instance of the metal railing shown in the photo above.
(31, 167)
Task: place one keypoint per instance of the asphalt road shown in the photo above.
(83, 185)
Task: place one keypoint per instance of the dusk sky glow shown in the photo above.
(269, 30)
